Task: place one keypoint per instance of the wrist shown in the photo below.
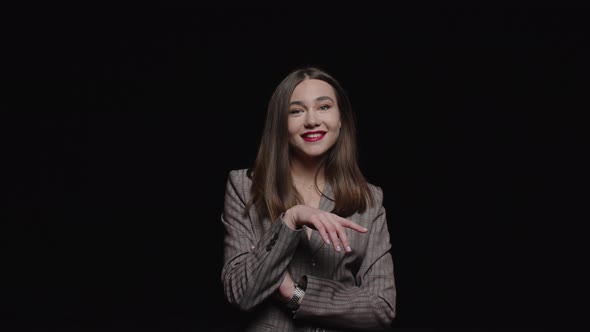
(289, 219)
(295, 300)
(286, 291)
(298, 294)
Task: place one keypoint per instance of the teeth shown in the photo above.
(313, 135)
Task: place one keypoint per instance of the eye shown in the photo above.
(325, 107)
(295, 111)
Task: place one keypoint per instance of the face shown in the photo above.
(314, 119)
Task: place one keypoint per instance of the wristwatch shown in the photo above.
(293, 304)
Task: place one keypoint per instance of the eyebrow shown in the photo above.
(322, 98)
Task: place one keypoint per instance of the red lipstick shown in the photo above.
(312, 136)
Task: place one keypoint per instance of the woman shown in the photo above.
(306, 244)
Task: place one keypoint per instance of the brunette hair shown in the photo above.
(273, 191)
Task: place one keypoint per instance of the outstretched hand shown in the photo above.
(330, 226)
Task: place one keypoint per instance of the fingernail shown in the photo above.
(328, 241)
(337, 248)
(348, 249)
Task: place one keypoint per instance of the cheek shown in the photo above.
(338, 120)
(291, 128)
(337, 135)
(293, 134)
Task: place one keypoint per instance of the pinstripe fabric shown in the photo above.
(344, 290)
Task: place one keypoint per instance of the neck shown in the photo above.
(306, 171)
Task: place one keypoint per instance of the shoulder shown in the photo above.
(238, 176)
(377, 193)
(239, 181)
(377, 209)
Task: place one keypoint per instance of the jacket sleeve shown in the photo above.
(251, 276)
(370, 304)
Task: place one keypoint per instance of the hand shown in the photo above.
(330, 226)
(286, 289)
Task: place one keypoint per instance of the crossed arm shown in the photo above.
(250, 276)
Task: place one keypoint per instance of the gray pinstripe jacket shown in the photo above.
(353, 290)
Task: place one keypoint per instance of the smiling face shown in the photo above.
(314, 119)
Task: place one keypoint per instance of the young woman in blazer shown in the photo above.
(306, 244)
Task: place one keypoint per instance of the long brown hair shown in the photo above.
(273, 191)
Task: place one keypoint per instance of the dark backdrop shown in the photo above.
(122, 127)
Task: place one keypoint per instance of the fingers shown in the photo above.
(321, 228)
(344, 240)
(354, 226)
(331, 227)
(332, 230)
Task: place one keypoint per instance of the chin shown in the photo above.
(315, 154)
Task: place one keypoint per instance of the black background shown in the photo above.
(120, 126)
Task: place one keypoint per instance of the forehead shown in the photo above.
(310, 89)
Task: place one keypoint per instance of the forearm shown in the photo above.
(254, 275)
(335, 304)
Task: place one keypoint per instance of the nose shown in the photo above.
(311, 120)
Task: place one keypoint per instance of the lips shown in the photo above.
(312, 136)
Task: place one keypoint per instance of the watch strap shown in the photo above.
(293, 304)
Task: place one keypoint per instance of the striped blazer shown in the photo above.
(345, 291)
